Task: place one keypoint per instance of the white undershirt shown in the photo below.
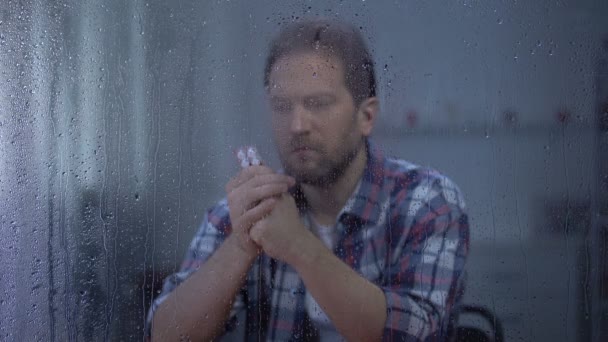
(327, 331)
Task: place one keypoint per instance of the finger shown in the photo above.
(248, 239)
(254, 170)
(263, 179)
(248, 198)
(256, 235)
(236, 204)
(263, 192)
(260, 187)
(247, 174)
(258, 212)
(230, 185)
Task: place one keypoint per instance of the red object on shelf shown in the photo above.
(563, 116)
(510, 117)
(411, 118)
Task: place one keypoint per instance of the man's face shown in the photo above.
(315, 121)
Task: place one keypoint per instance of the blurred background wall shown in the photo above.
(118, 122)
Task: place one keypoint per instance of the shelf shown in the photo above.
(469, 131)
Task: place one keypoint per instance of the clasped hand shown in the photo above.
(264, 216)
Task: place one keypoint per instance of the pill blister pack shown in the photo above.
(248, 156)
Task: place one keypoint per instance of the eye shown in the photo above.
(317, 104)
(281, 106)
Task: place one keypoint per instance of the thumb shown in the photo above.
(255, 233)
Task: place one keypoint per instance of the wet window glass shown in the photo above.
(427, 167)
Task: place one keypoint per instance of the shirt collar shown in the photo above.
(364, 202)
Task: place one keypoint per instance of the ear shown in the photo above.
(367, 114)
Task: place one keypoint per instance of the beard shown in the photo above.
(327, 171)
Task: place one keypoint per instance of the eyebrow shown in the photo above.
(315, 94)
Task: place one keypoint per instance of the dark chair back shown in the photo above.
(461, 333)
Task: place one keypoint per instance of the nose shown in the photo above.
(300, 121)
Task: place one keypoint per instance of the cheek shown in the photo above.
(281, 123)
(281, 140)
(278, 129)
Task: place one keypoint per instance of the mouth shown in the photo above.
(301, 149)
(305, 149)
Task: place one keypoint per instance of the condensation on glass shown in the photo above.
(119, 120)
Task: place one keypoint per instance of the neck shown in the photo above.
(325, 202)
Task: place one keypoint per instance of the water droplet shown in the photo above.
(499, 21)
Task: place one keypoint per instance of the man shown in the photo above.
(343, 243)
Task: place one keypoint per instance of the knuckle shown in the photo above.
(274, 189)
(246, 171)
(244, 175)
(256, 177)
(261, 168)
(260, 192)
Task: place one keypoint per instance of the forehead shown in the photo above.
(302, 73)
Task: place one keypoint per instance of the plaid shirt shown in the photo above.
(404, 228)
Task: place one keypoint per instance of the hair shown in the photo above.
(333, 39)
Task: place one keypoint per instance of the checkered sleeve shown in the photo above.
(427, 259)
(211, 234)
